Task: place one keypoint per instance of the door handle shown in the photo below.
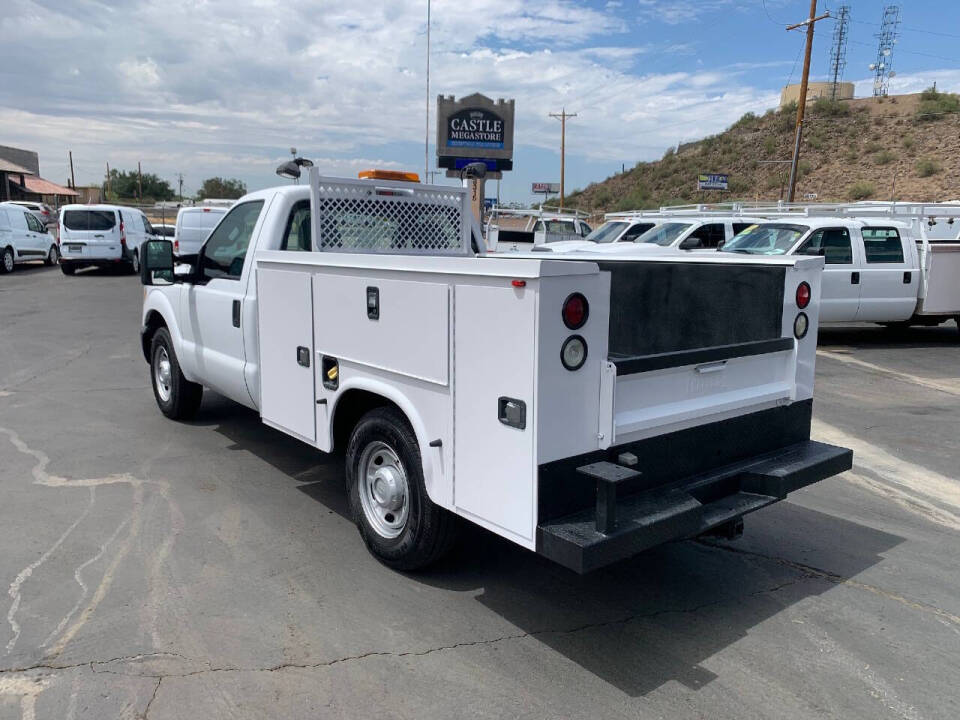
(855, 278)
(303, 356)
(906, 277)
(236, 313)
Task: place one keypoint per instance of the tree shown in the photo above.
(218, 187)
(123, 186)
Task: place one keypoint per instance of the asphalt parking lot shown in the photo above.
(208, 570)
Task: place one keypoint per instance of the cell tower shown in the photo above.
(883, 67)
(838, 50)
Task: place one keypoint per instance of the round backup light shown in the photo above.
(573, 354)
(801, 325)
(576, 310)
(803, 295)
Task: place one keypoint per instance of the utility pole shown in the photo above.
(108, 182)
(139, 184)
(562, 117)
(73, 180)
(802, 104)
(180, 181)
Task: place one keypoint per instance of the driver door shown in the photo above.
(213, 316)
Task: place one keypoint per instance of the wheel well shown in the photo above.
(154, 322)
(352, 406)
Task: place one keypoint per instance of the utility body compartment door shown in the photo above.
(287, 393)
(495, 355)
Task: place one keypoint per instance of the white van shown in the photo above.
(23, 237)
(101, 235)
(194, 225)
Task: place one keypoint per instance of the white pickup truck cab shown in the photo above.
(677, 234)
(585, 410)
(875, 270)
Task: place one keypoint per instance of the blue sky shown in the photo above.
(225, 87)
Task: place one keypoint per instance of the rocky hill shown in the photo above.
(905, 147)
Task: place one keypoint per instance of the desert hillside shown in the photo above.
(905, 147)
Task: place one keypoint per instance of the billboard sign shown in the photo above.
(712, 181)
(475, 128)
(546, 188)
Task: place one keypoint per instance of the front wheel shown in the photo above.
(399, 523)
(53, 257)
(177, 397)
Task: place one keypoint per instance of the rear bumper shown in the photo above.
(690, 507)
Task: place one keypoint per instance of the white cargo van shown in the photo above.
(194, 225)
(23, 237)
(101, 236)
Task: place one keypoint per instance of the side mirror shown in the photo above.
(815, 251)
(690, 243)
(156, 261)
(721, 244)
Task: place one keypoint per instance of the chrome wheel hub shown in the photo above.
(8, 261)
(164, 374)
(384, 492)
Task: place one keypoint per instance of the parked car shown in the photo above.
(23, 238)
(101, 235)
(194, 225)
(43, 212)
(679, 234)
(163, 230)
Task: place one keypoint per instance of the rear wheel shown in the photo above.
(6, 260)
(135, 263)
(52, 257)
(399, 523)
(67, 268)
(177, 397)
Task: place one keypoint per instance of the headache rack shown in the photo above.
(389, 217)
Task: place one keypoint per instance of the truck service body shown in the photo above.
(585, 409)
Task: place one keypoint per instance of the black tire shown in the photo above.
(133, 267)
(54, 253)
(183, 397)
(6, 260)
(429, 531)
(67, 268)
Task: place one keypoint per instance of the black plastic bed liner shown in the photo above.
(681, 510)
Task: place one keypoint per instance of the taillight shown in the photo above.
(176, 246)
(803, 295)
(123, 235)
(576, 310)
(573, 354)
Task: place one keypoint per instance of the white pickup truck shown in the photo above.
(880, 268)
(586, 410)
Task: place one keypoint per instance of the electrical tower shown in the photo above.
(838, 50)
(883, 67)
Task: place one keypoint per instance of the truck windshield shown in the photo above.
(766, 239)
(663, 235)
(608, 232)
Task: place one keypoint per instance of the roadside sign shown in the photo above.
(546, 188)
(712, 181)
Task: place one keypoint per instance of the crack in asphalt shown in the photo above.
(93, 665)
(837, 579)
(146, 710)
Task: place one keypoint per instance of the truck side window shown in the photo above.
(835, 243)
(226, 248)
(882, 245)
(296, 236)
(709, 235)
(635, 231)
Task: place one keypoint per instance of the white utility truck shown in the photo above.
(511, 230)
(881, 264)
(584, 409)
